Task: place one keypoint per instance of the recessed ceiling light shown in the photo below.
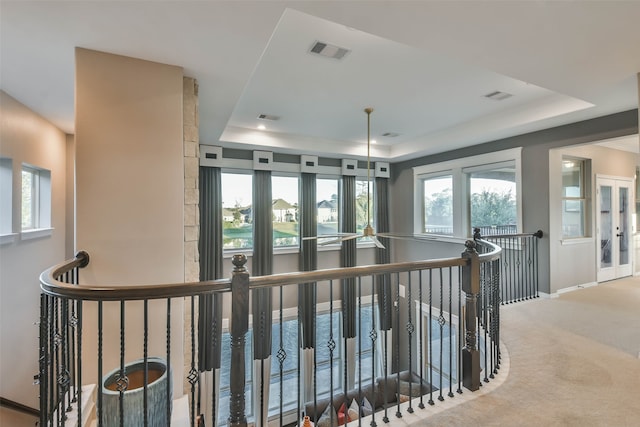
(262, 127)
(373, 141)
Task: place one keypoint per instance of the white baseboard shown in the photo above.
(557, 293)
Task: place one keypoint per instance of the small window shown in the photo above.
(438, 205)
(237, 215)
(285, 211)
(637, 215)
(6, 195)
(575, 198)
(36, 198)
(327, 202)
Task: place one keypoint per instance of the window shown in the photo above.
(6, 196)
(285, 211)
(36, 198)
(493, 199)
(237, 197)
(327, 202)
(453, 197)
(364, 213)
(325, 322)
(575, 191)
(637, 214)
(438, 205)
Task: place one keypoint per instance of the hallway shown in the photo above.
(573, 362)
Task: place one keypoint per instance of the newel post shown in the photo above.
(471, 288)
(238, 326)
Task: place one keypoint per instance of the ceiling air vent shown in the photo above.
(390, 134)
(268, 117)
(328, 50)
(498, 95)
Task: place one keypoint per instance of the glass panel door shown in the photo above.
(623, 233)
(606, 226)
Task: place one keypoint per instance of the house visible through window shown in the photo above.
(575, 192)
(285, 210)
(327, 202)
(237, 197)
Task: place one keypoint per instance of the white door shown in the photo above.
(613, 219)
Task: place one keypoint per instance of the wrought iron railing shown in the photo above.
(519, 264)
(420, 331)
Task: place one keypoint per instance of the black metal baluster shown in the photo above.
(461, 318)
(373, 335)
(485, 283)
(397, 347)
(214, 345)
(430, 340)
(64, 379)
(441, 322)
(79, 360)
(331, 344)
(145, 356)
(193, 373)
(385, 359)
(421, 339)
(450, 332)
(315, 352)
(410, 330)
(282, 356)
(56, 357)
(359, 346)
(72, 354)
(100, 419)
(43, 359)
(169, 371)
(122, 381)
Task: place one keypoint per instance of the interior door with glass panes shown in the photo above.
(613, 216)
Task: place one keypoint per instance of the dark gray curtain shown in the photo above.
(308, 258)
(348, 254)
(262, 263)
(383, 256)
(210, 246)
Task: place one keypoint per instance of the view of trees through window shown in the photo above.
(493, 201)
(438, 205)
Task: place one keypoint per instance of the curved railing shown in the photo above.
(456, 299)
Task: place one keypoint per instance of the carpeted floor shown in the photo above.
(573, 362)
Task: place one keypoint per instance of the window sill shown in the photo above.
(6, 239)
(577, 241)
(440, 238)
(36, 233)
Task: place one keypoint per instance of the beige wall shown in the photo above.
(130, 192)
(575, 263)
(27, 138)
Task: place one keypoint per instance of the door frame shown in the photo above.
(615, 271)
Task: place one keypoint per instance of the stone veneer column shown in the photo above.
(191, 207)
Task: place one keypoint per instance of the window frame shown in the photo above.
(458, 169)
(585, 197)
(40, 202)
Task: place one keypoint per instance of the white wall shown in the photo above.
(27, 137)
(574, 263)
(130, 196)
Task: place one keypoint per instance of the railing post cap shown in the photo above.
(239, 260)
(470, 245)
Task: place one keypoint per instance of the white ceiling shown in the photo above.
(423, 66)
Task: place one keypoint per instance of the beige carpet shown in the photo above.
(573, 362)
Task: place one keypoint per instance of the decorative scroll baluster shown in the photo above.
(373, 335)
(450, 332)
(410, 330)
(430, 340)
(461, 328)
(122, 382)
(193, 372)
(441, 323)
(331, 344)
(282, 355)
(397, 347)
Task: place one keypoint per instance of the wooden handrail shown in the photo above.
(51, 286)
